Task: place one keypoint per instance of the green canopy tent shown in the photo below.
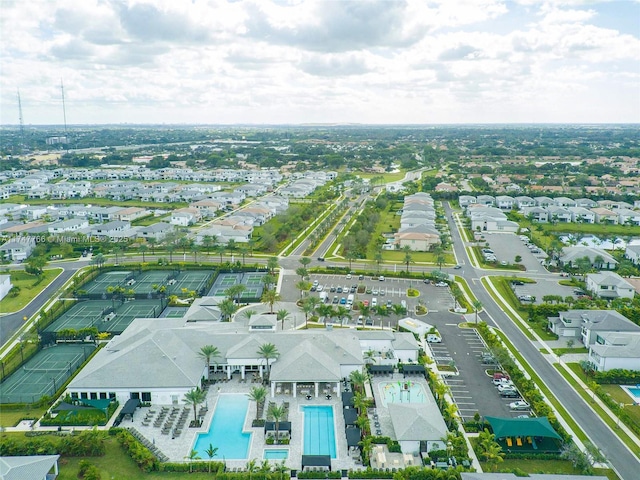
(522, 427)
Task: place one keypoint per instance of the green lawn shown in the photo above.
(149, 220)
(28, 289)
(616, 393)
(388, 177)
(564, 467)
(10, 418)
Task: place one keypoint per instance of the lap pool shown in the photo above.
(319, 431)
(226, 430)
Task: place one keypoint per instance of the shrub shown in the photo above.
(140, 454)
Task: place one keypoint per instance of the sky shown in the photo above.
(320, 61)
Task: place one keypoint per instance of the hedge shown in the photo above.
(86, 444)
(141, 455)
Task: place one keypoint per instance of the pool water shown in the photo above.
(319, 431)
(633, 391)
(274, 454)
(402, 392)
(225, 431)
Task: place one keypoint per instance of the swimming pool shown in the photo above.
(319, 431)
(225, 431)
(402, 392)
(276, 454)
(632, 391)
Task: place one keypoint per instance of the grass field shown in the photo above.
(388, 177)
(28, 291)
(10, 418)
(562, 467)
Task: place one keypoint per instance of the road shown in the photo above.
(622, 460)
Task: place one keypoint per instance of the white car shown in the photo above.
(442, 284)
(319, 288)
(506, 386)
(519, 405)
(348, 276)
(374, 302)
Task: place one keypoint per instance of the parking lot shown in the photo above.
(393, 290)
(542, 288)
(507, 245)
(472, 389)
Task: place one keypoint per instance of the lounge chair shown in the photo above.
(518, 441)
(509, 442)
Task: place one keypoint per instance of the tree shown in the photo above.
(143, 250)
(195, 397)
(398, 309)
(439, 256)
(378, 259)
(282, 316)
(234, 292)
(171, 248)
(243, 250)
(208, 241)
(268, 351)
(272, 264)
(207, 352)
(220, 248)
(258, 395)
(36, 265)
(193, 455)
(277, 412)
(227, 308)
(269, 297)
(358, 379)
(369, 357)
(152, 243)
(251, 467)
(302, 272)
(98, 260)
(477, 306)
(231, 245)
(211, 452)
(351, 256)
(116, 250)
(304, 261)
(303, 287)
(408, 258)
(489, 449)
(247, 314)
(309, 305)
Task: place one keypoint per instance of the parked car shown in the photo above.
(434, 338)
(313, 288)
(343, 301)
(319, 288)
(442, 284)
(525, 298)
(348, 276)
(426, 281)
(507, 385)
(335, 300)
(374, 302)
(509, 394)
(339, 289)
(332, 289)
(519, 405)
(374, 291)
(381, 278)
(369, 290)
(457, 267)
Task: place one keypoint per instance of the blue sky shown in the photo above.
(321, 61)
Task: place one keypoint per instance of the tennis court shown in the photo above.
(94, 313)
(126, 312)
(191, 280)
(44, 373)
(82, 315)
(107, 279)
(174, 312)
(144, 282)
(252, 281)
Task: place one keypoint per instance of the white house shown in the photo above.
(31, 467)
(19, 249)
(632, 253)
(5, 285)
(615, 350)
(609, 285)
(599, 259)
(72, 225)
(505, 202)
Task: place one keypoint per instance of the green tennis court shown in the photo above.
(191, 280)
(252, 281)
(44, 373)
(128, 311)
(107, 279)
(81, 315)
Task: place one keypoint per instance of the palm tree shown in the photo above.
(258, 394)
(367, 447)
(361, 402)
(207, 242)
(398, 309)
(439, 256)
(280, 468)
(211, 452)
(408, 258)
(269, 297)
(227, 308)
(251, 467)
(378, 258)
(369, 356)
(171, 248)
(247, 314)
(277, 412)
(351, 256)
(268, 351)
(220, 248)
(309, 305)
(194, 397)
(152, 243)
(358, 379)
(207, 352)
(272, 264)
(477, 306)
(303, 287)
(489, 448)
(304, 261)
(143, 250)
(193, 455)
(302, 272)
(234, 292)
(282, 316)
(342, 313)
(231, 245)
(243, 251)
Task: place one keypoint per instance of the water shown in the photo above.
(225, 431)
(274, 454)
(595, 242)
(402, 392)
(634, 392)
(319, 431)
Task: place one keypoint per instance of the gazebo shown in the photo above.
(350, 416)
(530, 435)
(322, 461)
(414, 370)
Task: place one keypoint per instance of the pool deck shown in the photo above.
(176, 449)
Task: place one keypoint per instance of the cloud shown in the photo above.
(334, 65)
